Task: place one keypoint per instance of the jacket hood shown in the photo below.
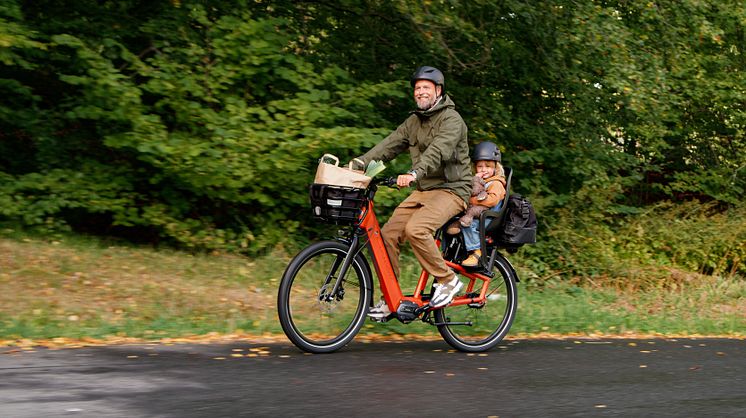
(444, 103)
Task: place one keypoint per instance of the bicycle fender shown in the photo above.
(509, 265)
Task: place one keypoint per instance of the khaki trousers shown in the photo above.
(415, 220)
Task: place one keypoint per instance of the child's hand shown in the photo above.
(485, 174)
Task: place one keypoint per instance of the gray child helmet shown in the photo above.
(486, 151)
(430, 74)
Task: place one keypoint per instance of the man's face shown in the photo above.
(425, 94)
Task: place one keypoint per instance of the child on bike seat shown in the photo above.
(486, 158)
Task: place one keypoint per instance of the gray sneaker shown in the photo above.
(379, 312)
(444, 293)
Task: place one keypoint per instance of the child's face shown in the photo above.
(485, 168)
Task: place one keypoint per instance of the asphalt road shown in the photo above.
(522, 378)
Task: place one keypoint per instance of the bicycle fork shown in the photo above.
(329, 297)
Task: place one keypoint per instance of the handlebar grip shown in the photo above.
(387, 181)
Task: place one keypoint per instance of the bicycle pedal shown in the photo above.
(382, 319)
(379, 320)
(474, 304)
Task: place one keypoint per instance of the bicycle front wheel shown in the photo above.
(480, 327)
(314, 319)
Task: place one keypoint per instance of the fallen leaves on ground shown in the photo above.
(214, 338)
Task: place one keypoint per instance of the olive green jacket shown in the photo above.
(437, 142)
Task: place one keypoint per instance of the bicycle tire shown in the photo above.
(489, 322)
(311, 323)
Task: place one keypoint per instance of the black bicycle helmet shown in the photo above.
(431, 74)
(486, 151)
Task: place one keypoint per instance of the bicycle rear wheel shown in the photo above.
(479, 328)
(312, 319)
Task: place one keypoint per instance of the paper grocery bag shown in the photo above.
(329, 172)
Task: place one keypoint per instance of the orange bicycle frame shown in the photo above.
(390, 287)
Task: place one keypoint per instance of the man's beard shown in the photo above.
(426, 103)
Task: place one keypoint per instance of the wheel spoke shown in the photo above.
(312, 318)
(489, 322)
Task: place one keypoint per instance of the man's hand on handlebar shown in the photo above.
(405, 180)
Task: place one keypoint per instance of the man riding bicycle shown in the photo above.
(436, 137)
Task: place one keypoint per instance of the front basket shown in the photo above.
(337, 204)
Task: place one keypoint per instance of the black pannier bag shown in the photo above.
(519, 225)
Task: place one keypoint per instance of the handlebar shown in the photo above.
(389, 182)
(386, 181)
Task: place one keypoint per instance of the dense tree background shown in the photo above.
(200, 123)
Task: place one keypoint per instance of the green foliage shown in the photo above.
(593, 239)
(693, 236)
(209, 138)
(201, 124)
(15, 37)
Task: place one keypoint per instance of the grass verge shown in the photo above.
(74, 288)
